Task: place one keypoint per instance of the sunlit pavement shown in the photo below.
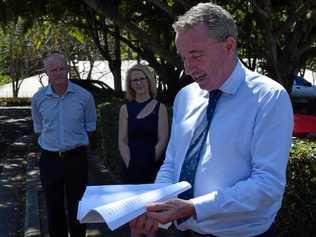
(15, 131)
(22, 206)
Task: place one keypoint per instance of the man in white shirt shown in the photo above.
(241, 173)
(64, 115)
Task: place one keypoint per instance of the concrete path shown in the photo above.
(12, 186)
(22, 206)
(15, 130)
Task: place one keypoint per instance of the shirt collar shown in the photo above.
(233, 82)
(70, 89)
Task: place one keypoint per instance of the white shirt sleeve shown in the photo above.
(264, 188)
(90, 115)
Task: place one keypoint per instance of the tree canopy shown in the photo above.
(279, 37)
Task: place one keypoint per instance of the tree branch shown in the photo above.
(185, 4)
(104, 9)
(310, 53)
(303, 35)
(264, 13)
(163, 7)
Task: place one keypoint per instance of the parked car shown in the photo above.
(303, 88)
(98, 88)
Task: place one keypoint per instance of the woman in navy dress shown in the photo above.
(143, 127)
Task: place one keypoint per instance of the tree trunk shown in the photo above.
(170, 77)
(116, 67)
(15, 88)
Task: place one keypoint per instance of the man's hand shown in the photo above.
(143, 225)
(171, 210)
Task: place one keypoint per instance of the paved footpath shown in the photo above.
(22, 206)
(15, 130)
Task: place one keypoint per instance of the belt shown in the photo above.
(63, 154)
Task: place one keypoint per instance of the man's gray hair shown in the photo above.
(220, 23)
(52, 56)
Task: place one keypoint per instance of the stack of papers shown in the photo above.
(117, 205)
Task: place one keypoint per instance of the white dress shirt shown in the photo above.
(241, 176)
(63, 122)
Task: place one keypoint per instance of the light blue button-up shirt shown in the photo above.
(241, 175)
(63, 122)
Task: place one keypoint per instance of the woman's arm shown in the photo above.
(163, 131)
(123, 135)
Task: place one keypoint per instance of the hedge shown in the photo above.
(9, 101)
(107, 132)
(297, 216)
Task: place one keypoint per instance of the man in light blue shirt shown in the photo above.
(241, 173)
(63, 115)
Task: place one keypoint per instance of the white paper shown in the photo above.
(118, 204)
(96, 196)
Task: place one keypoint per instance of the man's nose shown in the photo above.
(188, 67)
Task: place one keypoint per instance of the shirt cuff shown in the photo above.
(90, 127)
(37, 129)
(204, 205)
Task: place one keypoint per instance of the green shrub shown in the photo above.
(9, 101)
(4, 79)
(297, 216)
(108, 115)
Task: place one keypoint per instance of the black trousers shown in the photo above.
(64, 178)
(271, 232)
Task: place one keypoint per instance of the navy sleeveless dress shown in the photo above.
(142, 138)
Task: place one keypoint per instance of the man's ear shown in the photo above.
(230, 45)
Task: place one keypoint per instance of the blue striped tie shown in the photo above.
(192, 156)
